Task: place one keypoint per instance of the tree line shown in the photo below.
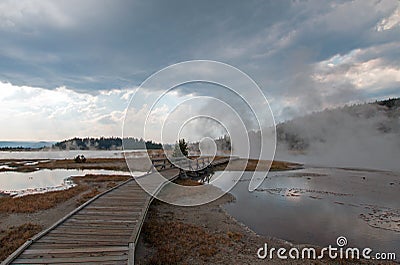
(103, 143)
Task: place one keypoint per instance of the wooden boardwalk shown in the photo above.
(104, 230)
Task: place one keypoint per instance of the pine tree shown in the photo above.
(181, 148)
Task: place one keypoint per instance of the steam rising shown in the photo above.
(366, 136)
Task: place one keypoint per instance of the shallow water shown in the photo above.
(67, 154)
(47, 179)
(317, 205)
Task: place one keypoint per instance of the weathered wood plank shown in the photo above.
(62, 245)
(117, 232)
(98, 232)
(84, 238)
(95, 240)
(117, 203)
(76, 259)
(103, 220)
(73, 255)
(110, 226)
(94, 234)
(85, 229)
(75, 250)
(109, 211)
(111, 208)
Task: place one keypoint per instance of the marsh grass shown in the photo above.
(19, 165)
(15, 237)
(187, 182)
(88, 195)
(252, 164)
(37, 202)
(100, 178)
(174, 241)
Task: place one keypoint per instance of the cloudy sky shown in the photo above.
(68, 68)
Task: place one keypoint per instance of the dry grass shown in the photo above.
(91, 163)
(174, 241)
(282, 165)
(88, 195)
(37, 202)
(100, 178)
(260, 165)
(15, 237)
(111, 184)
(235, 236)
(275, 166)
(187, 182)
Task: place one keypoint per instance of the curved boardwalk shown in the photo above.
(102, 231)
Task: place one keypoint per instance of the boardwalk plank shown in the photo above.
(76, 259)
(110, 226)
(101, 231)
(75, 250)
(72, 245)
(74, 255)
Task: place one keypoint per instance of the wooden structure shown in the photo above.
(184, 163)
(188, 165)
(103, 230)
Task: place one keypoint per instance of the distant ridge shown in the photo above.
(25, 144)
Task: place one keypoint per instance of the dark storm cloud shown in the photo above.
(97, 45)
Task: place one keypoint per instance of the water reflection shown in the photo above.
(42, 179)
(316, 205)
(70, 154)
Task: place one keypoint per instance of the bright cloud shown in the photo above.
(67, 67)
(37, 113)
(359, 69)
(388, 23)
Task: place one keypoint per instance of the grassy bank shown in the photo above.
(259, 165)
(19, 165)
(180, 240)
(14, 237)
(87, 187)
